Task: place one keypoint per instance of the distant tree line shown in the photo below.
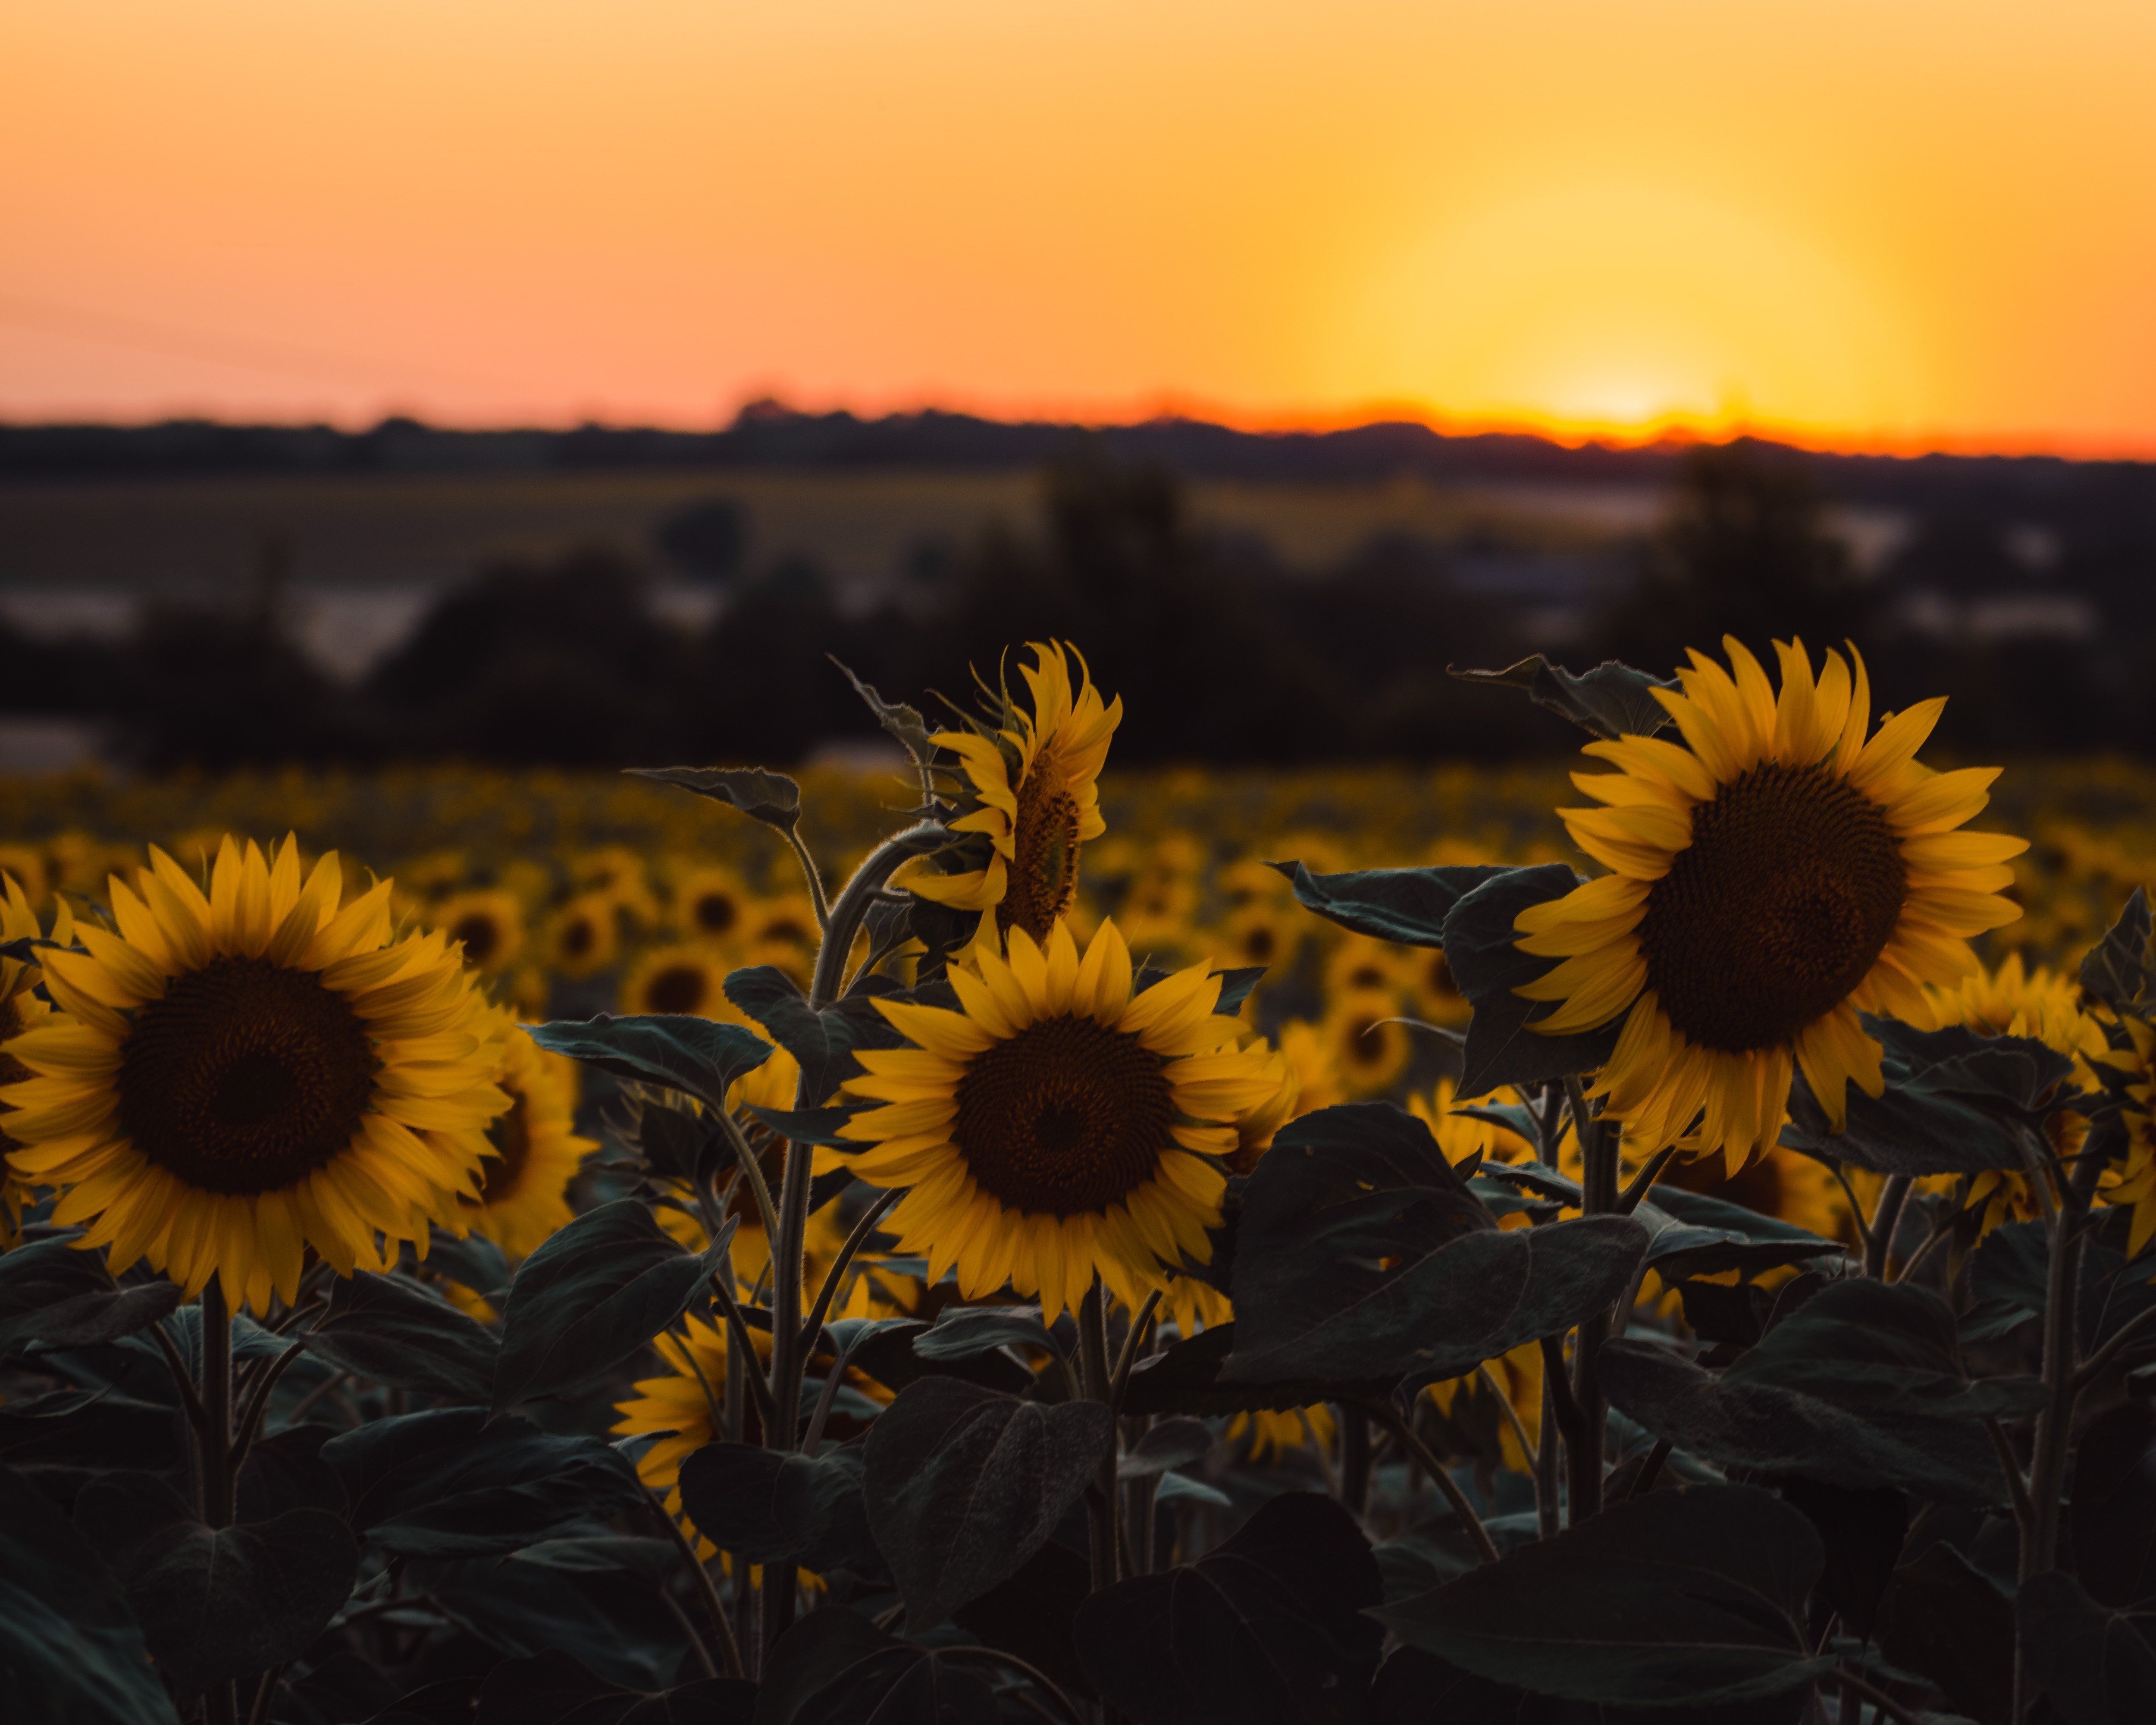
(1220, 655)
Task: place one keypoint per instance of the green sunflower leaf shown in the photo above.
(823, 1041)
(670, 1050)
(1487, 965)
(554, 1688)
(904, 723)
(1185, 1377)
(390, 1330)
(1409, 905)
(70, 1648)
(1361, 1252)
(53, 1295)
(962, 1332)
(2113, 1519)
(964, 1484)
(771, 1507)
(2096, 1666)
(771, 798)
(2010, 1281)
(593, 1294)
(1273, 1624)
(1955, 1102)
(1860, 1387)
(1611, 700)
(457, 1482)
(1946, 1619)
(1682, 1598)
(835, 1667)
(2117, 970)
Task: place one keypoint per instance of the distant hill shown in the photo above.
(769, 436)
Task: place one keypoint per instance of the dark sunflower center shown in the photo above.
(1780, 906)
(1066, 1117)
(1368, 1042)
(510, 1134)
(1259, 944)
(1044, 872)
(578, 938)
(679, 988)
(481, 935)
(715, 912)
(786, 930)
(245, 1077)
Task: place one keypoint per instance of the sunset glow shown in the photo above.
(1899, 224)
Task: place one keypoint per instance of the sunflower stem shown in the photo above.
(1879, 1237)
(1093, 1370)
(813, 875)
(1141, 1327)
(1546, 1454)
(812, 1331)
(714, 1606)
(217, 1406)
(1598, 1196)
(1388, 1414)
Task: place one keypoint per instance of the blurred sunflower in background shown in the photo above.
(1771, 878)
(710, 904)
(1270, 1433)
(488, 924)
(581, 937)
(250, 1072)
(1365, 1043)
(534, 1152)
(679, 980)
(1058, 1126)
(1030, 785)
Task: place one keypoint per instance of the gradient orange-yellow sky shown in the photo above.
(1885, 223)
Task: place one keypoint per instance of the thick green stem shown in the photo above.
(1598, 1196)
(220, 1705)
(1886, 1218)
(1094, 1378)
(2054, 1420)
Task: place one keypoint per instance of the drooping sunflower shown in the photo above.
(252, 1071)
(1270, 1432)
(524, 1184)
(20, 1010)
(1773, 876)
(1031, 788)
(1058, 1126)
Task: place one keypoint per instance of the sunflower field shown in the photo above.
(1002, 1238)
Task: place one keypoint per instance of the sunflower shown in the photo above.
(1437, 997)
(2016, 1001)
(20, 1010)
(679, 980)
(683, 1403)
(710, 904)
(1467, 1401)
(253, 1071)
(1058, 1126)
(582, 938)
(1771, 879)
(1030, 788)
(523, 1182)
(1361, 966)
(1260, 933)
(614, 872)
(488, 924)
(2134, 1186)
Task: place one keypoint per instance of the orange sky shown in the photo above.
(1891, 222)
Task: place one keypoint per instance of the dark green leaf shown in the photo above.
(1269, 1625)
(1029, 1613)
(1409, 905)
(670, 1050)
(605, 1555)
(1683, 1598)
(823, 1041)
(474, 1262)
(1487, 965)
(219, 1604)
(1860, 1387)
(771, 798)
(67, 1438)
(52, 1294)
(554, 1688)
(888, 1356)
(452, 1482)
(964, 1484)
(960, 1332)
(2010, 1278)
(1418, 1688)
(2113, 1515)
(904, 722)
(771, 1507)
(2116, 970)
(2096, 1666)
(1170, 1443)
(1945, 1619)
(1611, 700)
(813, 1125)
(1697, 1234)
(1955, 1103)
(678, 1144)
(286, 1472)
(1862, 1529)
(591, 1295)
(835, 1667)
(393, 1331)
(1361, 1254)
(70, 1650)
(1185, 1378)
